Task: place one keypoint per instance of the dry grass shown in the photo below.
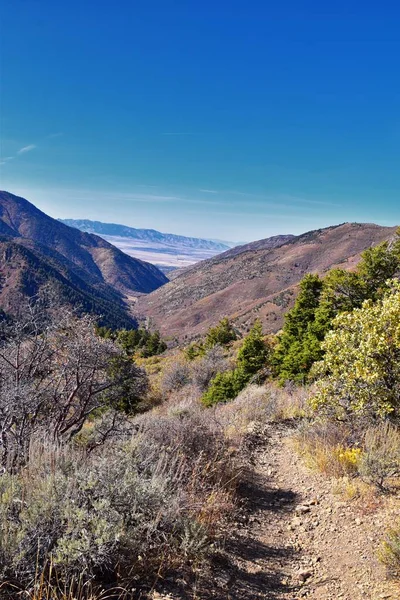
(261, 404)
(389, 553)
(127, 513)
(327, 447)
(380, 460)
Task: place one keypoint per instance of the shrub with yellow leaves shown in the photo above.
(360, 372)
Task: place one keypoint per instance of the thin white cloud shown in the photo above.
(54, 135)
(6, 159)
(283, 198)
(27, 148)
(209, 191)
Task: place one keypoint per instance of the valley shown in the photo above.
(166, 251)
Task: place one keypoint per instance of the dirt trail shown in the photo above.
(298, 539)
(304, 541)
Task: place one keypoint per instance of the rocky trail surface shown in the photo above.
(297, 539)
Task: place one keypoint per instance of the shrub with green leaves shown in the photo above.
(224, 387)
(360, 372)
(252, 357)
(222, 334)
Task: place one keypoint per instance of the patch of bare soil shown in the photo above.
(296, 538)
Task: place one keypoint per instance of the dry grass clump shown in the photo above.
(178, 373)
(341, 450)
(389, 552)
(380, 459)
(261, 404)
(327, 447)
(121, 515)
(176, 376)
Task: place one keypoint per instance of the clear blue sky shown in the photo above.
(218, 118)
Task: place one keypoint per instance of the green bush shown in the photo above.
(221, 334)
(224, 387)
(252, 357)
(359, 375)
(254, 352)
(320, 301)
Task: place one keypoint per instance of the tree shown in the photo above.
(221, 334)
(224, 387)
(254, 352)
(252, 357)
(195, 350)
(360, 372)
(320, 301)
(55, 372)
(140, 340)
(298, 344)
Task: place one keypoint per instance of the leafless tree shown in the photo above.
(55, 372)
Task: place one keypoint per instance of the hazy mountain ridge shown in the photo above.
(148, 235)
(259, 282)
(167, 251)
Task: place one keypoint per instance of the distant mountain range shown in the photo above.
(148, 235)
(87, 270)
(166, 250)
(257, 280)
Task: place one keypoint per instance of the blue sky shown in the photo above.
(231, 120)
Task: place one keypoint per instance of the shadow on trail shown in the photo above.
(258, 497)
(250, 568)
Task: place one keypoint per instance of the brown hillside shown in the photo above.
(255, 283)
(101, 262)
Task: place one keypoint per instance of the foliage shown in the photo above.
(298, 345)
(320, 301)
(222, 334)
(225, 386)
(195, 350)
(252, 356)
(348, 458)
(128, 511)
(133, 341)
(254, 352)
(360, 371)
(328, 447)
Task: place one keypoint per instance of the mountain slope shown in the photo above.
(254, 282)
(25, 270)
(267, 244)
(88, 272)
(103, 263)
